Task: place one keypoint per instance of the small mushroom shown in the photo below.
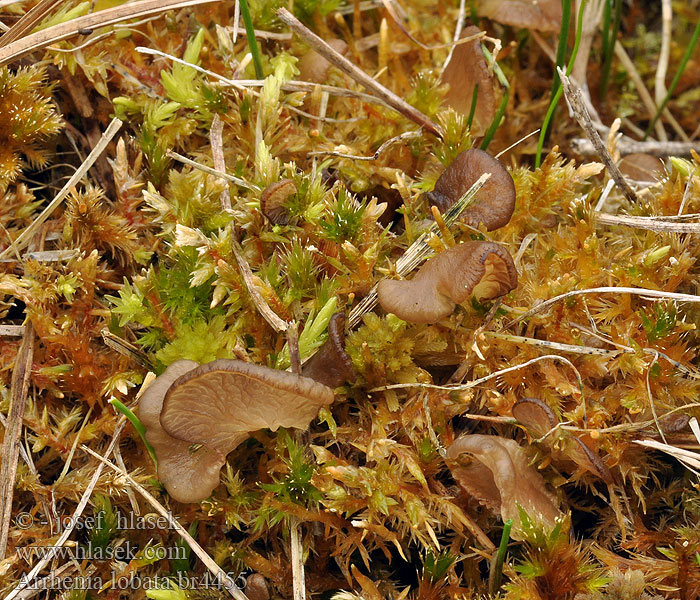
(331, 365)
(494, 202)
(501, 478)
(188, 475)
(273, 198)
(543, 15)
(535, 415)
(578, 451)
(482, 269)
(314, 67)
(466, 69)
(217, 406)
(644, 168)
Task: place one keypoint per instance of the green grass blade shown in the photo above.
(252, 42)
(609, 39)
(490, 132)
(472, 108)
(558, 93)
(138, 426)
(497, 567)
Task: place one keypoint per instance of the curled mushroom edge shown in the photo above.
(196, 414)
(481, 269)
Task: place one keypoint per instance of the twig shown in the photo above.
(217, 153)
(25, 582)
(455, 37)
(215, 172)
(603, 290)
(626, 145)
(648, 223)
(573, 95)
(403, 136)
(11, 442)
(24, 238)
(221, 575)
(298, 580)
(109, 16)
(686, 194)
(28, 21)
(357, 74)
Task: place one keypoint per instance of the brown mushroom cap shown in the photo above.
(468, 67)
(501, 478)
(273, 198)
(642, 167)
(331, 365)
(220, 403)
(189, 476)
(535, 415)
(494, 202)
(483, 269)
(543, 15)
(314, 67)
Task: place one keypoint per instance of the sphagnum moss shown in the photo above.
(368, 484)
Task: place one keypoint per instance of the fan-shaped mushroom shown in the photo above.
(482, 269)
(331, 365)
(543, 15)
(314, 67)
(466, 69)
(189, 476)
(273, 198)
(641, 167)
(218, 405)
(500, 478)
(535, 415)
(493, 204)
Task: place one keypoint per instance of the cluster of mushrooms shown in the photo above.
(481, 269)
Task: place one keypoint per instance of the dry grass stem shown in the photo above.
(648, 223)
(626, 145)
(573, 95)
(325, 50)
(25, 237)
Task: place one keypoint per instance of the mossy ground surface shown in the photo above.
(150, 277)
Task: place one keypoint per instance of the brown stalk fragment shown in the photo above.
(273, 198)
(314, 67)
(642, 167)
(482, 269)
(195, 415)
(543, 15)
(331, 365)
(466, 69)
(493, 204)
(499, 477)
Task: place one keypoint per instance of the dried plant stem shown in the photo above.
(664, 54)
(603, 290)
(24, 238)
(13, 432)
(298, 580)
(418, 250)
(357, 74)
(648, 223)
(573, 95)
(217, 153)
(215, 172)
(626, 145)
(403, 136)
(28, 21)
(221, 576)
(110, 16)
(25, 588)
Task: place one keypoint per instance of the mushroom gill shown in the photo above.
(483, 269)
(195, 415)
(500, 477)
(218, 404)
(493, 204)
(542, 15)
(314, 67)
